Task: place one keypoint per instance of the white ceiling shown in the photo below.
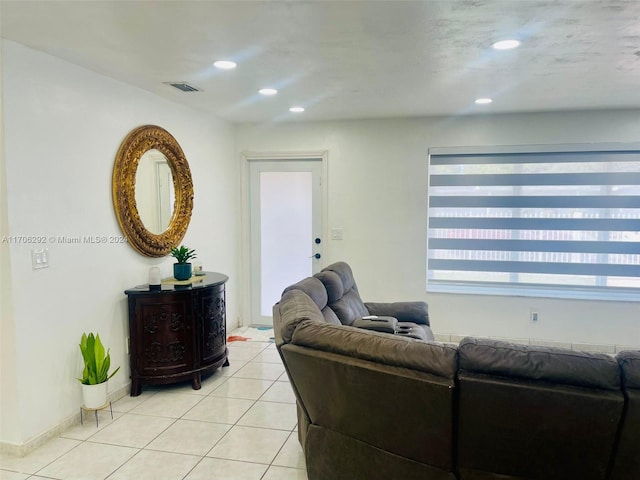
(350, 59)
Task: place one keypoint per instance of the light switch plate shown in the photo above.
(40, 258)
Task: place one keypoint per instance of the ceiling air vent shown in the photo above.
(183, 86)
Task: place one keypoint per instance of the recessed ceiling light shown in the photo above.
(225, 64)
(483, 101)
(267, 91)
(506, 44)
(296, 109)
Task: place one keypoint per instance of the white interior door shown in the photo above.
(285, 208)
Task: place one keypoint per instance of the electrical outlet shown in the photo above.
(534, 315)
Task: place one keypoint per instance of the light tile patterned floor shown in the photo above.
(240, 426)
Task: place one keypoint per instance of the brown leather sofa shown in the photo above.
(377, 406)
(532, 412)
(335, 292)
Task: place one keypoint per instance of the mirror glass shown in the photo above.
(152, 190)
(155, 197)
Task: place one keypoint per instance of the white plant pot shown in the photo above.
(95, 396)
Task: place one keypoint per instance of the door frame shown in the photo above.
(245, 215)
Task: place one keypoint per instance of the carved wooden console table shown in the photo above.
(177, 333)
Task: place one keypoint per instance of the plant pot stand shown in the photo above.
(95, 411)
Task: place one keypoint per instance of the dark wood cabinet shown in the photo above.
(177, 333)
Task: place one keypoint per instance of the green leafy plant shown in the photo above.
(96, 361)
(183, 254)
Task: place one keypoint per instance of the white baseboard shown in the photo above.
(30, 445)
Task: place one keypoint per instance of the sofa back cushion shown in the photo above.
(557, 365)
(434, 358)
(392, 393)
(343, 296)
(536, 412)
(294, 307)
(318, 293)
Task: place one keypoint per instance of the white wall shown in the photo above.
(63, 126)
(378, 191)
(8, 376)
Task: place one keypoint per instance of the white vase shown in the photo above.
(95, 396)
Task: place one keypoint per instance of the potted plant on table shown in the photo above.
(97, 362)
(182, 267)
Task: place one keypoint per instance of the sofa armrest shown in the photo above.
(416, 312)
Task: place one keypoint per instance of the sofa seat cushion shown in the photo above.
(395, 350)
(557, 365)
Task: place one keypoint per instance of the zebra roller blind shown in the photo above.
(558, 221)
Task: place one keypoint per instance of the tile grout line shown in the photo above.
(269, 382)
(273, 382)
(236, 424)
(202, 457)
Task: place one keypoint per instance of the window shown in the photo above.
(556, 221)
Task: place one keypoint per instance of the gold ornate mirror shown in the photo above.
(154, 141)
